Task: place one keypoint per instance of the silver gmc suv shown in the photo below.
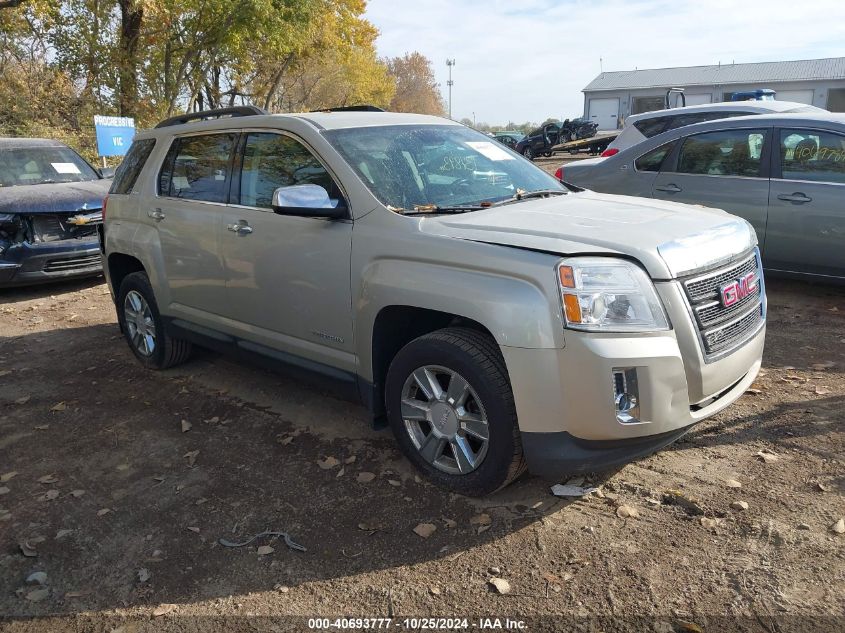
(494, 317)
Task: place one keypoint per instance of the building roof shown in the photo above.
(719, 74)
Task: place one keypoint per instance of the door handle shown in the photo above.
(797, 198)
(241, 228)
(156, 214)
(670, 188)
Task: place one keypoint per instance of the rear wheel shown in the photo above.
(451, 408)
(547, 154)
(143, 327)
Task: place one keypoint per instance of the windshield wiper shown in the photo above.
(432, 209)
(520, 195)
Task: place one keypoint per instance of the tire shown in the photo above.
(548, 154)
(528, 153)
(164, 351)
(474, 357)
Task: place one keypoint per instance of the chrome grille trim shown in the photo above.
(721, 330)
(67, 264)
(707, 286)
(719, 338)
(712, 313)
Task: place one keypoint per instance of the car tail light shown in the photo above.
(559, 173)
(105, 203)
(610, 151)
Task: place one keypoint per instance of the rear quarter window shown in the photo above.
(129, 170)
(653, 127)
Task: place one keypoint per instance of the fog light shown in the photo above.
(626, 395)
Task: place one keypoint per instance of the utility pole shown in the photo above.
(450, 83)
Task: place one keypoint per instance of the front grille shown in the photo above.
(722, 329)
(69, 264)
(707, 286)
(49, 227)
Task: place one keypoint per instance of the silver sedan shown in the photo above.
(783, 173)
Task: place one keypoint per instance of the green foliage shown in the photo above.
(62, 61)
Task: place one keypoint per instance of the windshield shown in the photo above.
(42, 165)
(407, 167)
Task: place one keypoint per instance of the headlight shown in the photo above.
(609, 295)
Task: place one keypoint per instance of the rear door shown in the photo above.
(288, 276)
(726, 169)
(193, 186)
(806, 231)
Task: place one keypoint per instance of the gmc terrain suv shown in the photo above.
(496, 318)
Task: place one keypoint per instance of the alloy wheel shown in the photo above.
(139, 322)
(445, 419)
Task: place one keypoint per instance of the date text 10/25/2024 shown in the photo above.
(417, 624)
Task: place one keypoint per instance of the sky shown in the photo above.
(527, 60)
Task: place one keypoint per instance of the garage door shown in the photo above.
(699, 99)
(798, 96)
(605, 112)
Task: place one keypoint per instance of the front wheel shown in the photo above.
(450, 405)
(528, 153)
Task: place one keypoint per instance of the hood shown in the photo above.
(60, 197)
(667, 238)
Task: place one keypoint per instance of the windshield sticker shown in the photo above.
(489, 150)
(65, 168)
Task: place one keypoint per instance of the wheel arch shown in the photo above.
(119, 266)
(394, 327)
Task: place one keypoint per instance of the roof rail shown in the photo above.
(355, 108)
(237, 111)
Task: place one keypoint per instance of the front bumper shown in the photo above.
(27, 263)
(564, 397)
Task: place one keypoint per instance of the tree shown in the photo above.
(62, 61)
(416, 88)
(131, 22)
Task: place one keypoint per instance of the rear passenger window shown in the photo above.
(723, 153)
(129, 170)
(812, 155)
(653, 160)
(274, 160)
(197, 168)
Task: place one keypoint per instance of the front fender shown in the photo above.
(517, 308)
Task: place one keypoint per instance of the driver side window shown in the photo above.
(271, 161)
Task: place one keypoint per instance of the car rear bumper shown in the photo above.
(27, 263)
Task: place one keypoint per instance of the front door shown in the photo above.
(806, 231)
(727, 169)
(288, 276)
(192, 187)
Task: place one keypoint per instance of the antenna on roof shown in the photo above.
(601, 65)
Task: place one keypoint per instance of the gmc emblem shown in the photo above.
(736, 291)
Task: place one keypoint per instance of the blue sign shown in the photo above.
(114, 134)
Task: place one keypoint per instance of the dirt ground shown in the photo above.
(117, 484)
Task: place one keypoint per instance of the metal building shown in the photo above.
(612, 96)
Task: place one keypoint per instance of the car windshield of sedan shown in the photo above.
(42, 165)
(437, 167)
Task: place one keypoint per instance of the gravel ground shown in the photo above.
(117, 484)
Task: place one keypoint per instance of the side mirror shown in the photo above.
(107, 172)
(307, 200)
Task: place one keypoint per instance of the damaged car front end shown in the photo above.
(50, 211)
